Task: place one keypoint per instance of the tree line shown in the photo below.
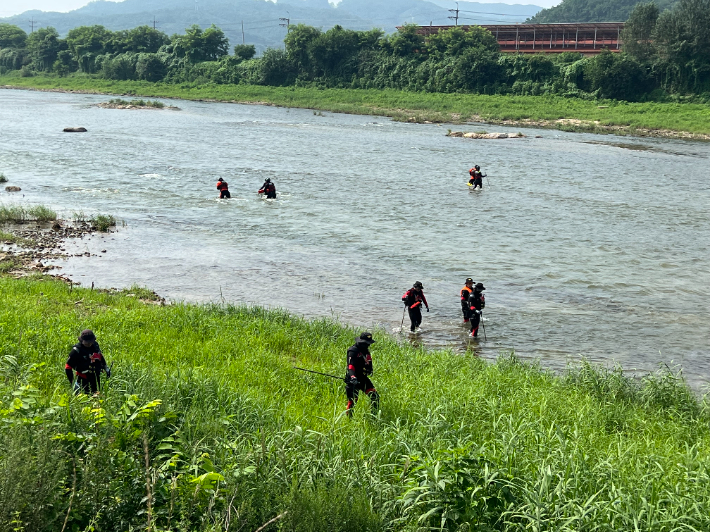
(664, 55)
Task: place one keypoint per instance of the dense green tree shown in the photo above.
(12, 36)
(637, 36)
(86, 43)
(199, 45)
(244, 52)
(616, 76)
(682, 37)
(275, 68)
(592, 11)
(150, 67)
(406, 42)
(297, 43)
(332, 53)
(65, 63)
(43, 46)
(457, 41)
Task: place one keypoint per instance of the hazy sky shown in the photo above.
(14, 7)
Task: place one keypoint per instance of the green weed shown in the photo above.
(3, 179)
(103, 222)
(20, 214)
(205, 426)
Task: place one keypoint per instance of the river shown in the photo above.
(589, 246)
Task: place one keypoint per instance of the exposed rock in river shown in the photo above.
(482, 135)
(74, 130)
(13, 189)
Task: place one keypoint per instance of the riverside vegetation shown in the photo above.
(666, 60)
(206, 426)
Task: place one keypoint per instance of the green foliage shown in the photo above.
(205, 426)
(44, 46)
(3, 179)
(593, 11)
(65, 63)
(104, 222)
(406, 42)
(199, 45)
(12, 36)
(244, 51)
(20, 214)
(87, 43)
(637, 35)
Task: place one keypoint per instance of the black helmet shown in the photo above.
(87, 335)
(268, 180)
(366, 338)
(418, 285)
(478, 167)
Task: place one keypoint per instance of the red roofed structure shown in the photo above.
(588, 38)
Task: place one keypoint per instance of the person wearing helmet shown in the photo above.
(413, 300)
(357, 378)
(465, 293)
(268, 189)
(86, 359)
(476, 177)
(223, 188)
(476, 304)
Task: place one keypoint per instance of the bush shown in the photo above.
(3, 179)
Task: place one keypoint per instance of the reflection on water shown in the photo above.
(585, 249)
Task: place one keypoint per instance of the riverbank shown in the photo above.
(668, 120)
(205, 424)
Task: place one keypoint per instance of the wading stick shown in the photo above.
(401, 326)
(484, 328)
(319, 373)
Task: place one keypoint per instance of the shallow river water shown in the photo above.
(588, 245)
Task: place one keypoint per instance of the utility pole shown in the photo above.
(243, 41)
(285, 23)
(32, 24)
(155, 22)
(456, 16)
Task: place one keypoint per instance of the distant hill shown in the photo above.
(592, 11)
(262, 18)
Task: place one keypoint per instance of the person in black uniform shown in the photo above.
(466, 292)
(86, 359)
(357, 378)
(269, 189)
(476, 303)
(476, 177)
(414, 299)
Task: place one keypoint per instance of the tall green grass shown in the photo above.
(20, 214)
(206, 426)
(401, 105)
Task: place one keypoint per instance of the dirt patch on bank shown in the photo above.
(25, 250)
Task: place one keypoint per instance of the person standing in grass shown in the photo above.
(476, 303)
(466, 292)
(223, 188)
(413, 299)
(357, 378)
(86, 359)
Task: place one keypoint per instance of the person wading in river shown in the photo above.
(269, 189)
(466, 292)
(223, 188)
(476, 304)
(476, 177)
(86, 360)
(357, 378)
(413, 299)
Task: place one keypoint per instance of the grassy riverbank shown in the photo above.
(650, 118)
(206, 426)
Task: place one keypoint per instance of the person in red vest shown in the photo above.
(413, 299)
(476, 177)
(269, 189)
(223, 188)
(86, 359)
(466, 292)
